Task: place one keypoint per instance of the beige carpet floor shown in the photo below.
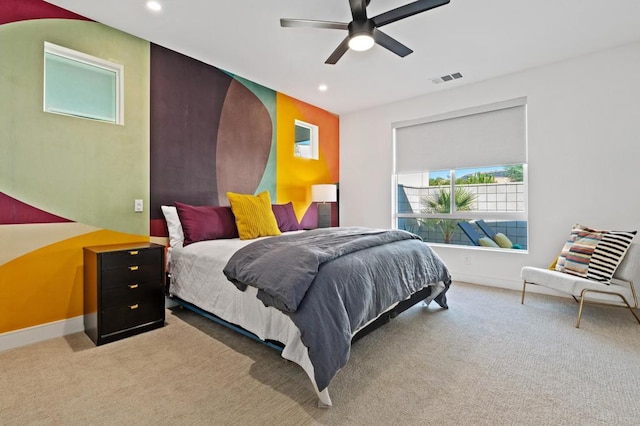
(488, 360)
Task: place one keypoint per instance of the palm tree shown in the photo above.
(476, 178)
(515, 173)
(441, 203)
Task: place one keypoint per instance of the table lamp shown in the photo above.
(324, 194)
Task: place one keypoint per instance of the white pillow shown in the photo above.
(176, 235)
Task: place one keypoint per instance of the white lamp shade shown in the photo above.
(325, 193)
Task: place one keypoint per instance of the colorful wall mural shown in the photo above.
(192, 132)
(213, 132)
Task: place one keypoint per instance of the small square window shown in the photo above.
(306, 140)
(81, 85)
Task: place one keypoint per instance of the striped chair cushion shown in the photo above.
(608, 254)
(576, 253)
(592, 253)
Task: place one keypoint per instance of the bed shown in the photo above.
(208, 277)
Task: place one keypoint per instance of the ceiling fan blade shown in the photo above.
(390, 43)
(340, 50)
(308, 23)
(359, 9)
(406, 11)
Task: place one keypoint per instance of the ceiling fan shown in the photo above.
(363, 31)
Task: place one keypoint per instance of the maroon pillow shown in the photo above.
(286, 217)
(200, 223)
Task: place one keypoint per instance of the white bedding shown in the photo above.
(197, 278)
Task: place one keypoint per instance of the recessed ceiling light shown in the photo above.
(323, 88)
(154, 5)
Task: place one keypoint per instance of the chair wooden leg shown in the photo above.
(580, 310)
(633, 313)
(624, 300)
(524, 285)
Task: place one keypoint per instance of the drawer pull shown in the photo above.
(133, 252)
(132, 286)
(133, 268)
(132, 307)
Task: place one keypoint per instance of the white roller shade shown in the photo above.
(483, 136)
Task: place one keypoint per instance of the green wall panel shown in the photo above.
(80, 169)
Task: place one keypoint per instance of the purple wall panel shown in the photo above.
(22, 10)
(186, 98)
(14, 212)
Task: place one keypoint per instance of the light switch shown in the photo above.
(138, 206)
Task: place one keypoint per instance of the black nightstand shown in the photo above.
(123, 290)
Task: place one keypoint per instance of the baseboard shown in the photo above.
(39, 333)
(488, 281)
(42, 332)
(506, 284)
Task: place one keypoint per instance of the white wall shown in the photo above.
(583, 154)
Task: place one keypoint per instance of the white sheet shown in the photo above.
(197, 278)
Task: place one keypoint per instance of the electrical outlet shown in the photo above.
(467, 260)
(138, 206)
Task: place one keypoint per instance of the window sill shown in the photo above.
(489, 249)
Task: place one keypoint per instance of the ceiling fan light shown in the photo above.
(361, 42)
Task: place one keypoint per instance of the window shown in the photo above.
(81, 85)
(306, 143)
(478, 155)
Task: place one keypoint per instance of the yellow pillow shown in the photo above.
(502, 240)
(554, 263)
(254, 217)
(487, 242)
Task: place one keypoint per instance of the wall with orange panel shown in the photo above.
(296, 175)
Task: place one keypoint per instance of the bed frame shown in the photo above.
(381, 320)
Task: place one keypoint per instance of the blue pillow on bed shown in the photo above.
(286, 217)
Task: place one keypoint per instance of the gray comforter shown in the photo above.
(333, 281)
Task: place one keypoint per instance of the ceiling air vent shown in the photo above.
(445, 78)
